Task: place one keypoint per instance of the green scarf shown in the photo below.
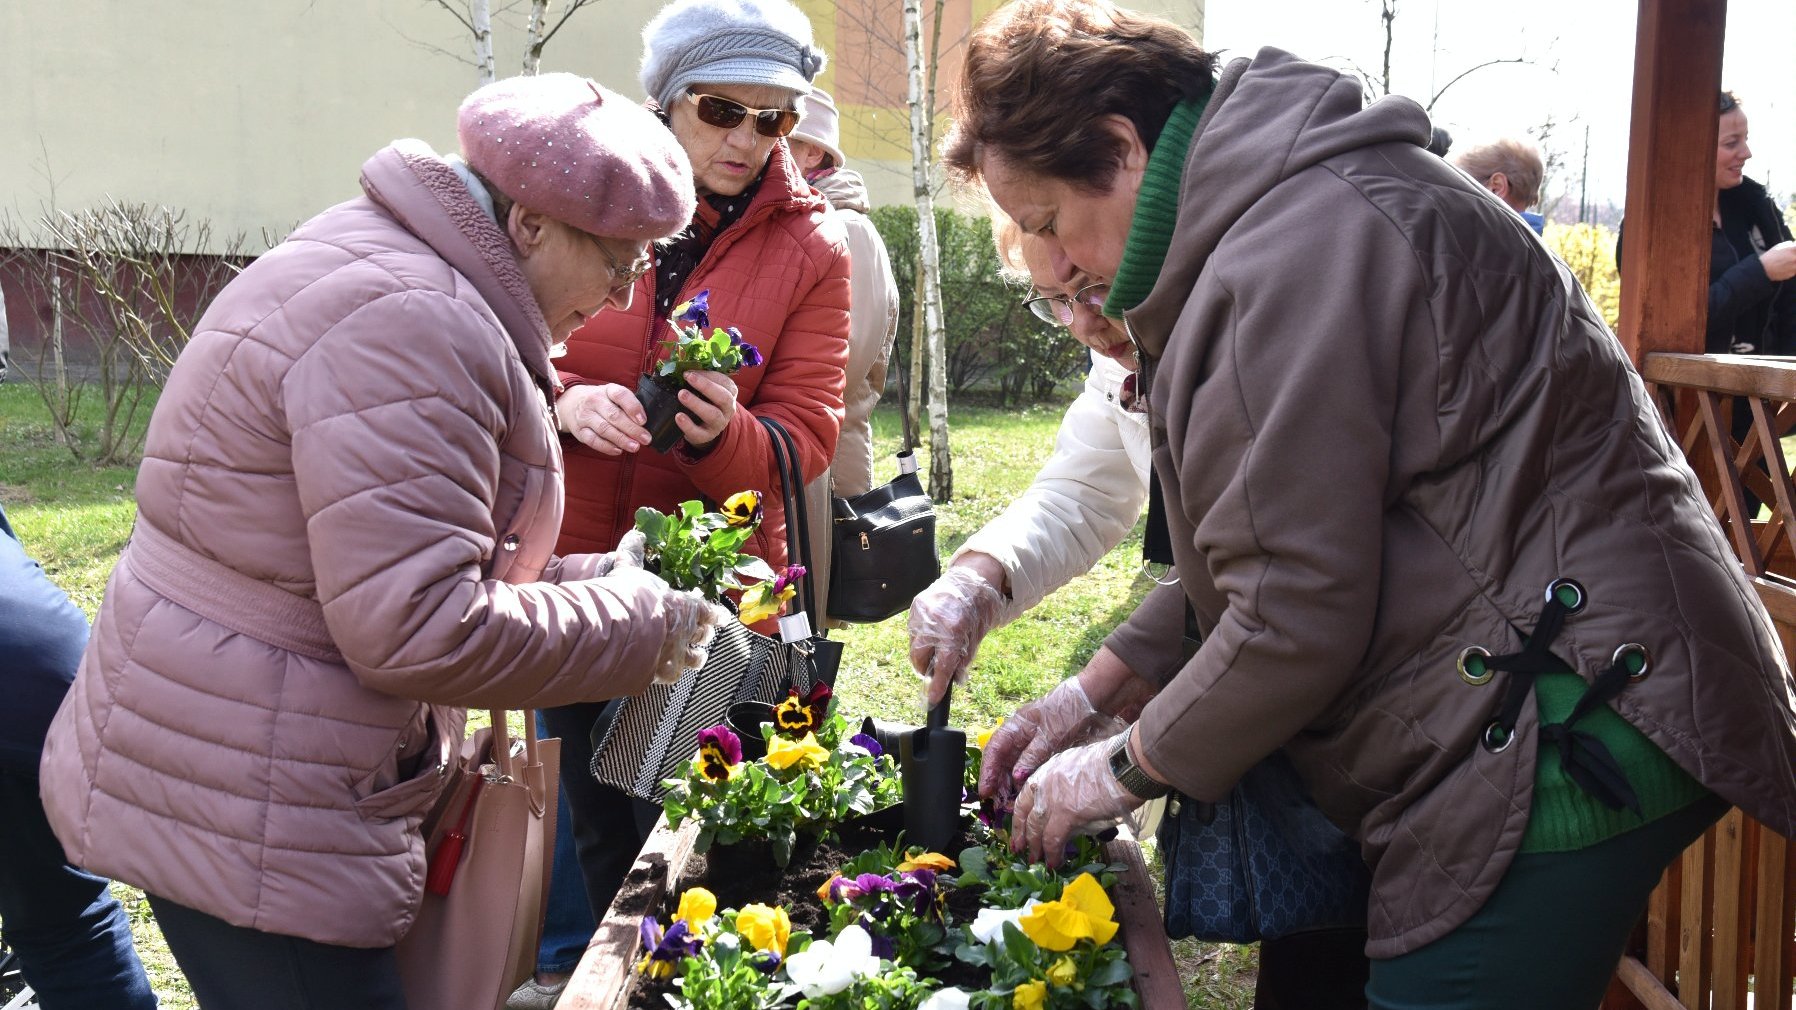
(1156, 211)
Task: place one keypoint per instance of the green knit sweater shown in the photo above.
(1565, 817)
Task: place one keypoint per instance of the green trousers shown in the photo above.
(1551, 934)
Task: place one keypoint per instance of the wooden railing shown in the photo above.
(1723, 921)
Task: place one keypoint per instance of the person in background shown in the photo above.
(1080, 505)
(1752, 304)
(347, 510)
(1510, 168)
(71, 934)
(1429, 527)
(725, 76)
(872, 318)
(1439, 141)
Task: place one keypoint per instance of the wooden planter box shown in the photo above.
(602, 981)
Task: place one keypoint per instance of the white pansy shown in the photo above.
(946, 999)
(825, 968)
(988, 925)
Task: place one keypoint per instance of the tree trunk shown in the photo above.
(1390, 21)
(480, 15)
(919, 342)
(533, 37)
(941, 472)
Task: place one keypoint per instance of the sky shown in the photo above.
(1580, 70)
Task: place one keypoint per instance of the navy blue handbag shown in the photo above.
(1262, 864)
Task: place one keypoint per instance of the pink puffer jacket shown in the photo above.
(360, 421)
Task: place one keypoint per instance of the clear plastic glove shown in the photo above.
(1064, 717)
(692, 621)
(629, 554)
(947, 622)
(1073, 794)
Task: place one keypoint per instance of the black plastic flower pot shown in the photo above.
(661, 402)
(745, 719)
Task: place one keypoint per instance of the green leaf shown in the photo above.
(1110, 973)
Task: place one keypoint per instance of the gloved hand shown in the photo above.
(1062, 718)
(1075, 793)
(692, 621)
(628, 555)
(947, 622)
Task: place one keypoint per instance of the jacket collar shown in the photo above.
(1269, 118)
(409, 181)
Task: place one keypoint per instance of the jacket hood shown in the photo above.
(411, 182)
(1268, 119)
(845, 190)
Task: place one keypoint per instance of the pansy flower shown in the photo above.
(917, 888)
(665, 947)
(751, 355)
(927, 861)
(1083, 912)
(1063, 972)
(742, 508)
(868, 744)
(696, 312)
(765, 927)
(697, 906)
(1031, 995)
(719, 753)
(767, 598)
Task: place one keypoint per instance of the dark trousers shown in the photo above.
(1319, 969)
(1551, 934)
(609, 826)
(70, 934)
(236, 968)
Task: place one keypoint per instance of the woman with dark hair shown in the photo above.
(1752, 307)
(1431, 534)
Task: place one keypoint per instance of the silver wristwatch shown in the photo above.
(1130, 774)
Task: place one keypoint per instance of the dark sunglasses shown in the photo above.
(727, 115)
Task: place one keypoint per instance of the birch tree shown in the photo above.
(477, 17)
(941, 470)
(536, 36)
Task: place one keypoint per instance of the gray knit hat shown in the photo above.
(727, 42)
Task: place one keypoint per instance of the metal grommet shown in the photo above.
(1568, 592)
(1472, 667)
(1497, 739)
(510, 542)
(1636, 659)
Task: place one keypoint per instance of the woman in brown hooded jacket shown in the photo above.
(1429, 526)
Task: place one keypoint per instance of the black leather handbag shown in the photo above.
(882, 548)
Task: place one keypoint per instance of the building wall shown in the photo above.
(256, 115)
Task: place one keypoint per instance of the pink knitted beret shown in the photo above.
(563, 146)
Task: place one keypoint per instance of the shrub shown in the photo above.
(990, 338)
(1589, 250)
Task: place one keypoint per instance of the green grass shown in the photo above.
(74, 518)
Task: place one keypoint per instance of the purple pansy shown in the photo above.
(697, 311)
(751, 355)
(724, 739)
(867, 743)
(666, 948)
(785, 579)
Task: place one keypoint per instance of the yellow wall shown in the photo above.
(255, 115)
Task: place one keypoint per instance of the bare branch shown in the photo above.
(1463, 74)
(572, 9)
(457, 15)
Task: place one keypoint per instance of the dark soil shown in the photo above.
(740, 876)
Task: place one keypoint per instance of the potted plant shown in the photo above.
(695, 549)
(720, 350)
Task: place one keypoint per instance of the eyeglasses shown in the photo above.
(727, 115)
(1057, 310)
(622, 276)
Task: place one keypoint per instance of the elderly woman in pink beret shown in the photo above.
(347, 510)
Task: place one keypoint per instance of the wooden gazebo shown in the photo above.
(1722, 921)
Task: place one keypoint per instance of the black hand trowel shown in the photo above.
(933, 760)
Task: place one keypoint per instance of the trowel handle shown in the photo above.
(938, 713)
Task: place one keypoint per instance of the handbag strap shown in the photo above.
(798, 521)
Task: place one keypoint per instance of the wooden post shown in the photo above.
(1671, 175)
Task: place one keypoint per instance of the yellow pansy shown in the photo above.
(696, 905)
(1030, 995)
(928, 861)
(1063, 972)
(759, 602)
(659, 970)
(765, 927)
(742, 508)
(1084, 912)
(783, 752)
(985, 736)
